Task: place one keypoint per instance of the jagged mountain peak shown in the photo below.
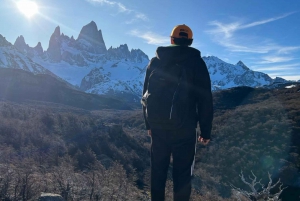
(3, 41)
(20, 43)
(20, 39)
(122, 52)
(138, 55)
(90, 38)
(240, 63)
(212, 59)
(38, 49)
(53, 51)
(122, 47)
(92, 24)
(39, 44)
(225, 75)
(57, 31)
(89, 30)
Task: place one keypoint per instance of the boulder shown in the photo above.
(50, 197)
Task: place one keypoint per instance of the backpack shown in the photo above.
(166, 98)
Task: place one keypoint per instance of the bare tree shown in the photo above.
(255, 194)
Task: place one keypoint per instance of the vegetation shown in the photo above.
(259, 132)
(73, 154)
(104, 154)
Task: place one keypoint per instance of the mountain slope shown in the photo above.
(12, 57)
(19, 85)
(225, 75)
(253, 130)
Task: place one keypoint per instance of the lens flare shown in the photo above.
(27, 7)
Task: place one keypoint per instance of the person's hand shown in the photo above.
(149, 133)
(203, 141)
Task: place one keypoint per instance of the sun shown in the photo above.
(27, 7)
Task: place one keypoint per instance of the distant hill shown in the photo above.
(254, 130)
(19, 85)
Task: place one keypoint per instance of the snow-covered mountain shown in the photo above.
(225, 75)
(86, 63)
(11, 57)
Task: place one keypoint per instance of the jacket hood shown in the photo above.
(176, 53)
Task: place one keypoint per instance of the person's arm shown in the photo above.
(204, 100)
(144, 91)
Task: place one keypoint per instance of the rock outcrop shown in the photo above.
(50, 197)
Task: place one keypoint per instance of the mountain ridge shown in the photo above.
(86, 63)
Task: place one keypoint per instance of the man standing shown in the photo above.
(176, 96)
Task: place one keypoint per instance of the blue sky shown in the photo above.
(264, 34)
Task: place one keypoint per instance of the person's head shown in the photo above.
(182, 35)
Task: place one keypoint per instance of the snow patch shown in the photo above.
(291, 86)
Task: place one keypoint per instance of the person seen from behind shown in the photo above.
(176, 98)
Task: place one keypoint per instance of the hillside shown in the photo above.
(253, 130)
(20, 85)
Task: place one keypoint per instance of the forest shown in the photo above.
(87, 154)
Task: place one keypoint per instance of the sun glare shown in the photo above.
(27, 7)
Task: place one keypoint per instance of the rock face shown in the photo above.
(21, 45)
(91, 40)
(38, 49)
(122, 52)
(119, 52)
(19, 56)
(4, 42)
(50, 197)
(54, 51)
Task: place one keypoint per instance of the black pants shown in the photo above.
(181, 144)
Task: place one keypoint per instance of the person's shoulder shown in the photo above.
(162, 49)
(152, 62)
(194, 51)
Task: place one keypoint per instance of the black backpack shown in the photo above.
(166, 98)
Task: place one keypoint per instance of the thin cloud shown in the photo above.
(265, 21)
(225, 29)
(233, 47)
(138, 16)
(141, 16)
(150, 37)
(275, 59)
(122, 9)
(224, 34)
(287, 50)
(228, 29)
(281, 68)
(120, 6)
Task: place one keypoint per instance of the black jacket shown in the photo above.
(200, 102)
